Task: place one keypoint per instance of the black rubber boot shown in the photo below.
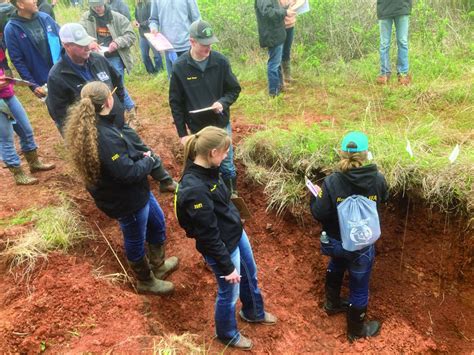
(333, 303)
(146, 281)
(357, 328)
(161, 266)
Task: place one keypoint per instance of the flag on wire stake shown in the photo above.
(408, 149)
(454, 154)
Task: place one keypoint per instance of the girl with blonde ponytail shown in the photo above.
(115, 173)
(354, 177)
(205, 211)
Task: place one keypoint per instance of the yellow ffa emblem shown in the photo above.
(191, 78)
(198, 206)
(213, 187)
(320, 193)
(115, 157)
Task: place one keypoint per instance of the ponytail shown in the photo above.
(81, 132)
(351, 160)
(204, 141)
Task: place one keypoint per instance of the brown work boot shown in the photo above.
(404, 79)
(36, 164)
(20, 177)
(383, 79)
(146, 280)
(268, 319)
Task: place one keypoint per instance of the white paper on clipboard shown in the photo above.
(315, 189)
(303, 9)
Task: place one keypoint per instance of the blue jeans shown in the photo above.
(147, 224)
(275, 77)
(227, 293)
(401, 28)
(358, 263)
(171, 57)
(21, 125)
(117, 63)
(287, 45)
(145, 53)
(227, 167)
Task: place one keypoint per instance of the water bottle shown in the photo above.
(324, 238)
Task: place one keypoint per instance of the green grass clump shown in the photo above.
(280, 158)
(55, 228)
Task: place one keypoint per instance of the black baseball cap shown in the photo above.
(202, 32)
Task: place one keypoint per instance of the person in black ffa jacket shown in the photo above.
(115, 173)
(205, 211)
(354, 177)
(202, 78)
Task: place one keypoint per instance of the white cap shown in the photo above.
(75, 33)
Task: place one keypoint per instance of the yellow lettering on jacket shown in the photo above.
(198, 206)
(191, 78)
(115, 157)
(213, 188)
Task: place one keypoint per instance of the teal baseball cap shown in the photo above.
(355, 142)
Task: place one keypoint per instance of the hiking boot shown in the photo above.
(357, 328)
(333, 303)
(161, 266)
(404, 79)
(36, 164)
(286, 69)
(243, 343)
(383, 79)
(20, 177)
(146, 280)
(168, 186)
(268, 319)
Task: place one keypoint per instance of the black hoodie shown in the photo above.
(365, 181)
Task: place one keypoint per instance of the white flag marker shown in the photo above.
(454, 154)
(369, 156)
(408, 149)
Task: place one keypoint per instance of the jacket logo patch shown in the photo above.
(213, 188)
(198, 206)
(115, 157)
(191, 78)
(103, 76)
(23, 35)
(49, 28)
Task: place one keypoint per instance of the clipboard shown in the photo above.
(242, 207)
(159, 42)
(315, 189)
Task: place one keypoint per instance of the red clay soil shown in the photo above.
(421, 288)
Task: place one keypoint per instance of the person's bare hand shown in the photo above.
(94, 46)
(233, 278)
(153, 31)
(39, 92)
(217, 107)
(135, 23)
(112, 47)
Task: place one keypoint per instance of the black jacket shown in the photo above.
(206, 213)
(142, 15)
(270, 22)
(65, 85)
(123, 185)
(392, 8)
(365, 181)
(192, 89)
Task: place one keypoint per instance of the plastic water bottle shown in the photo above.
(324, 238)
